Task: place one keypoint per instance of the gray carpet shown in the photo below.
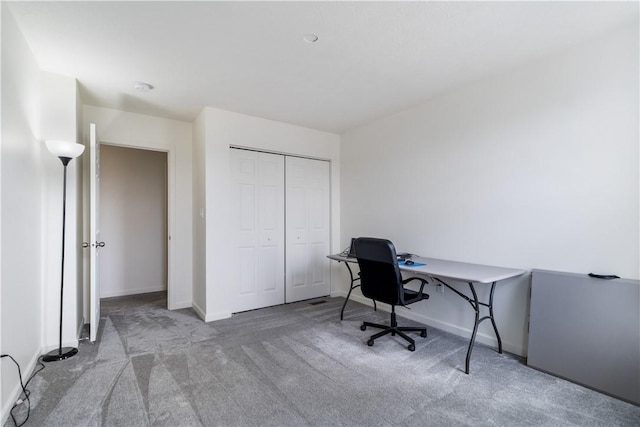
(296, 365)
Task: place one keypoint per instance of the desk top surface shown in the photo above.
(343, 258)
(454, 270)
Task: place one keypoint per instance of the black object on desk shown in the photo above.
(352, 248)
(604, 276)
(403, 256)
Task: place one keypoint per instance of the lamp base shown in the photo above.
(60, 354)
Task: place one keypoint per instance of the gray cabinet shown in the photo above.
(587, 330)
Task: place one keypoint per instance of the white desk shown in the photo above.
(439, 270)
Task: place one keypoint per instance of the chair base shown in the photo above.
(394, 329)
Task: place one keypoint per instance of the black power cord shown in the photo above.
(25, 392)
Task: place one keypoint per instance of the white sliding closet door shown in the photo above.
(258, 218)
(308, 228)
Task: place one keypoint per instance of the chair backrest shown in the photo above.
(380, 277)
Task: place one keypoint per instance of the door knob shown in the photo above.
(97, 244)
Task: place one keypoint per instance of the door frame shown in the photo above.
(166, 194)
(171, 214)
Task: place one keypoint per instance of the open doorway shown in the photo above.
(133, 222)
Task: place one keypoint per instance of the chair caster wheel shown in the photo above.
(412, 347)
(363, 327)
(423, 334)
(370, 343)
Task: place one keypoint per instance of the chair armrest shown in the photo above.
(422, 283)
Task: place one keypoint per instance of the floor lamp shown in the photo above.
(65, 151)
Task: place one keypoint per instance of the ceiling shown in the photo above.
(371, 59)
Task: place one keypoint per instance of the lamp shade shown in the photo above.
(67, 149)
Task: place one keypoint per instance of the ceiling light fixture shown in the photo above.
(310, 38)
(142, 86)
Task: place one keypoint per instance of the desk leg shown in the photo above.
(493, 321)
(476, 306)
(475, 303)
(352, 287)
(344, 304)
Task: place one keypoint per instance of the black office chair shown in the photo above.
(380, 280)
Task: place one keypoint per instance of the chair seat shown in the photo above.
(411, 296)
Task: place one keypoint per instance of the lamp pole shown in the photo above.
(66, 152)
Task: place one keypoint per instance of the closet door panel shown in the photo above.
(296, 261)
(269, 270)
(318, 266)
(319, 226)
(245, 192)
(271, 224)
(308, 228)
(247, 277)
(258, 216)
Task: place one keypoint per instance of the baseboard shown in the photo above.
(15, 393)
(125, 292)
(200, 312)
(334, 294)
(181, 305)
(212, 317)
(444, 326)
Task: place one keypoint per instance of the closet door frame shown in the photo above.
(305, 238)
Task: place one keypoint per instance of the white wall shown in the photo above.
(133, 220)
(222, 129)
(21, 179)
(536, 167)
(174, 137)
(35, 106)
